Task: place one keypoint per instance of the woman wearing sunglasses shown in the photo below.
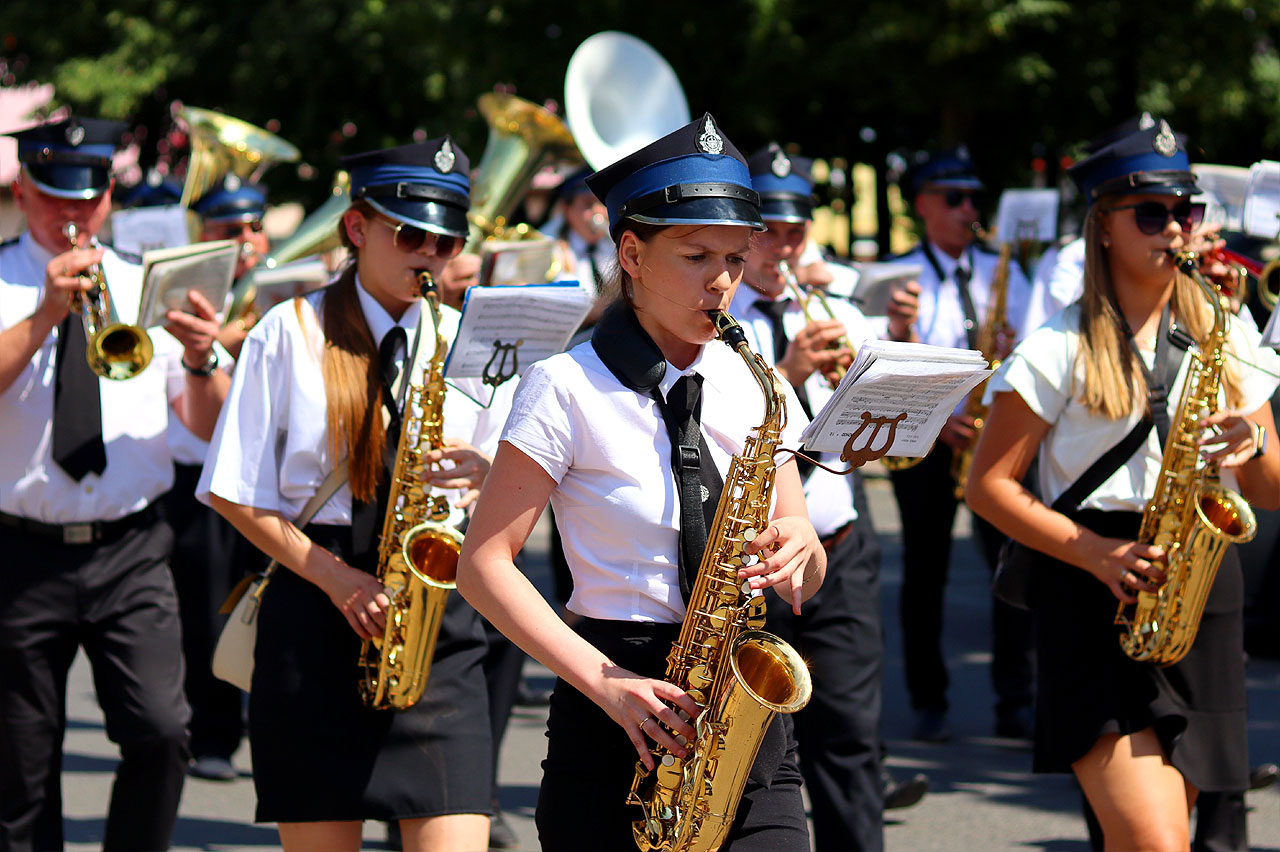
(587, 432)
(1143, 741)
(311, 393)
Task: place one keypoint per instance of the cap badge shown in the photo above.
(710, 141)
(445, 158)
(1164, 143)
(781, 166)
(231, 183)
(1146, 122)
(75, 133)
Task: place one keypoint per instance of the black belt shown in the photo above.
(829, 543)
(88, 532)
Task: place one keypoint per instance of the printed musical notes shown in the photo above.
(506, 328)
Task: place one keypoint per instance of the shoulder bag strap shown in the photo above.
(327, 489)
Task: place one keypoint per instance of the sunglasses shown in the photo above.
(1151, 217)
(953, 198)
(410, 238)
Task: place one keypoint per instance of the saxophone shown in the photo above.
(418, 551)
(739, 675)
(1190, 515)
(994, 324)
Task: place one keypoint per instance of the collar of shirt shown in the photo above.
(38, 254)
(380, 322)
(948, 264)
(673, 373)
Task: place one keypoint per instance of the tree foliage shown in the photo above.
(1015, 79)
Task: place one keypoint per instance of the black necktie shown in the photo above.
(696, 474)
(77, 406)
(367, 518)
(962, 276)
(775, 311)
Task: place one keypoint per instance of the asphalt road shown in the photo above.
(983, 795)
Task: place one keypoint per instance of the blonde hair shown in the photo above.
(1113, 384)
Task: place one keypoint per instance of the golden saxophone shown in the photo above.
(418, 551)
(1190, 515)
(739, 675)
(994, 326)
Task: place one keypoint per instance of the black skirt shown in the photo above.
(320, 754)
(1087, 687)
(590, 763)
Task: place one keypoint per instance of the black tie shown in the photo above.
(367, 518)
(962, 276)
(77, 406)
(695, 472)
(775, 311)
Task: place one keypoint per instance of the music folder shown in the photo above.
(502, 330)
(169, 274)
(894, 400)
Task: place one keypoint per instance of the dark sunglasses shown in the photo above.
(953, 198)
(410, 238)
(1151, 217)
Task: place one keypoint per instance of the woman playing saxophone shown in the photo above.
(588, 433)
(320, 382)
(1142, 740)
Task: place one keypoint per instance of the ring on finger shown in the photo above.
(643, 722)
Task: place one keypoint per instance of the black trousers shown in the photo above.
(927, 507)
(839, 633)
(209, 558)
(116, 600)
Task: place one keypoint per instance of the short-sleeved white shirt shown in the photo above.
(829, 497)
(1042, 371)
(270, 449)
(616, 501)
(135, 412)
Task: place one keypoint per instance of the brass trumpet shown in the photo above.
(804, 297)
(115, 350)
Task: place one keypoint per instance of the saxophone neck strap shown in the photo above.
(1171, 342)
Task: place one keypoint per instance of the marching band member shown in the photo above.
(1142, 740)
(586, 432)
(839, 633)
(955, 292)
(308, 393)
(583, 235)
(84, 462)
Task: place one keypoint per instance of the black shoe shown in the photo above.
(1015, 724)
(1263, 776)
(903, 794)
(932, 727)
(500, 834)
(212, 768)
(527, 696)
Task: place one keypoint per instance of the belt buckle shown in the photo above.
(77, 533)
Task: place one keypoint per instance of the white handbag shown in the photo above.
(233, 656)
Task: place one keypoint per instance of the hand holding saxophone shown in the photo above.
(358, 595)
(467, 469)
(1128, 567)
(649, 710)
(1230, 439)
(790, 543)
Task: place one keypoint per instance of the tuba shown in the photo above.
(222, 145)
(115, 350)
(418, 551)
(738, 674)
(1190, 515)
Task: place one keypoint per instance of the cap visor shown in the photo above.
(69, 181)
(433, 216)
(785, 210)
(704, 211)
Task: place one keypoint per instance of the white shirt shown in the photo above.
(270, 449)
(616, 500)
(844, 278)
(941, 318)
(829, 497)
(1042, 371)
(135, 412)
(1059, 281)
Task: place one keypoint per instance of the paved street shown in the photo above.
(983, 798)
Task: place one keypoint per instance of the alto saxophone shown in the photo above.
(1190, 515)
(418, 551)
(994, 325)
(739, 675)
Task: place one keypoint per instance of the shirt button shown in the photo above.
(88, 489)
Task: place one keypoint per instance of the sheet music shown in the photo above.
(909, 389)
(1027, 214)
(145, 229)
(505, 329)
(1262, 200)
(169, 274)
(878, 280)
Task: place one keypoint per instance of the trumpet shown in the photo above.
(115, 350)
(804, 297)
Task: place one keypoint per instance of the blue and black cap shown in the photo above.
(424, 184)
(574, 184)
(156, 191)
(950, 169)
(70, 158)
(1147, 160)
(785, 184)
(692, 176)
(232, 201)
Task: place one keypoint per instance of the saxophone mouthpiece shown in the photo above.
(426, 283)
(727, 328)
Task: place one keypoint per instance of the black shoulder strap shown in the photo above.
(1100, 471)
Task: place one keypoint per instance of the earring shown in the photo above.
(1106, 242)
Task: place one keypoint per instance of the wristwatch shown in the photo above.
(204, 370)
(1260, 438)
